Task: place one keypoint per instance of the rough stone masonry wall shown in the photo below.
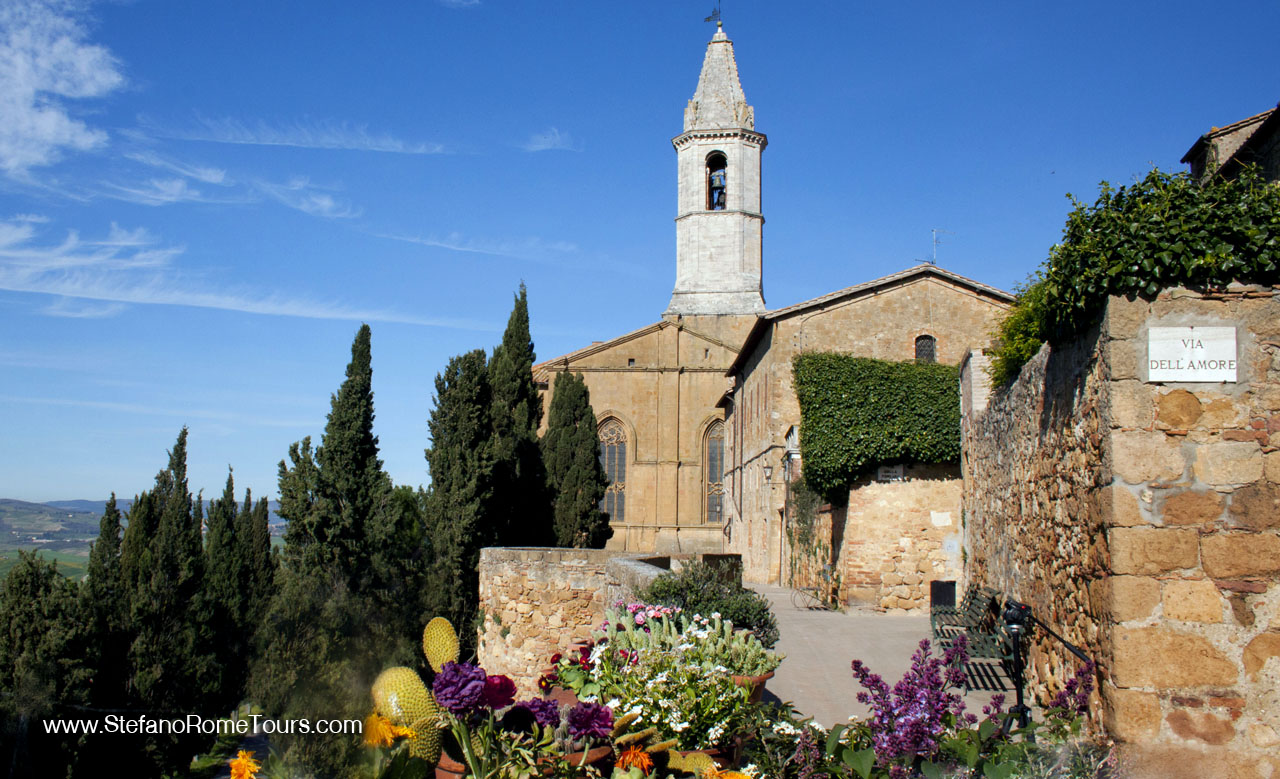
(899, 536)
(1032, 465)
(538, 601)
(1143, 521)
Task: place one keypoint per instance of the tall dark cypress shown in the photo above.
(326, 628)
(577, 481)
(521, 510)
(171, 657)
(225, 587)
(461, 499)
(105, 605)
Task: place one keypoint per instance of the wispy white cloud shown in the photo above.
(156, 192)
(149, 410)
(459, 3)
(133, 267)
(201, 173)
(79, 309)
(303, 134)
(551, 139)
(299, 193)
(523, 249)
(45, 61)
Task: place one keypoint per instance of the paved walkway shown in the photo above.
(820, 645)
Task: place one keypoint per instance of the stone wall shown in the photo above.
(537, 601)
(901, 535)
(1142, 521)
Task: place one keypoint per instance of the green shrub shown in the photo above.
(1164, 231)
(707, 588)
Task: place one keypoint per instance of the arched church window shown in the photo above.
(926, 349)
(613, 457)
(717, 167)
(713, 474)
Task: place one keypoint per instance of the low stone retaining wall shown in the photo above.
(537, 601)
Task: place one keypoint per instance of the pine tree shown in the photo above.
(461, 501)
(521, 508)
(572, 454)
(42, 666)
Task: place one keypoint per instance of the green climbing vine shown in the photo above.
(857, 413)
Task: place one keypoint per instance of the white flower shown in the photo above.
(715, 615)
(680, 727)
(613, 704)
(784, 728)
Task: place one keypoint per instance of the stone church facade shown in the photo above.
(694, 407)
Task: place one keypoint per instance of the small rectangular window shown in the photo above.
(631, 362)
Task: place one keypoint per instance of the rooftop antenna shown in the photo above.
(715, 15)
(936, 241)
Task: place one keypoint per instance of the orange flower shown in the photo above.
(380, 732)
(635, 756)
(243, 766)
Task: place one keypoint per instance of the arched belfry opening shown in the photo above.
(717, 175)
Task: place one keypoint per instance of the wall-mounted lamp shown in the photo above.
(768, 473)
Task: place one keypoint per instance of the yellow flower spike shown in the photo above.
(243, 766)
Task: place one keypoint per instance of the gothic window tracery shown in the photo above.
(613, 458)
(713, 474)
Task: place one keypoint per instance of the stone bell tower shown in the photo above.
(719, 223)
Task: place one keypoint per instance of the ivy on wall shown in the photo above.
(1164, 231)
(857, 413)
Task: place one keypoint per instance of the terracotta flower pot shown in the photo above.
(562, 696)
(756, 683)
(448, 768)
(600, 757)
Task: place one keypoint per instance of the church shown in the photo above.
(698, 421)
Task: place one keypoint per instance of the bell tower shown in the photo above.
(719, 223)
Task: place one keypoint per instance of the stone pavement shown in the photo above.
(820, 645)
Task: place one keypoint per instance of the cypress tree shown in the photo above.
(253, 538)
(226, 582)
(326, 634)
(460, 503)
(104, 609)
(171, 657)
(521, 508)
(572, 454)
(42, 670)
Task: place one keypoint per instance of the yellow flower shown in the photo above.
(635, 756)
(243, 766)
(380, 732)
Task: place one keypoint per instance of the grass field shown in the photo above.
(71, 564)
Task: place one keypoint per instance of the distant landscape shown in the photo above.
(64, 529)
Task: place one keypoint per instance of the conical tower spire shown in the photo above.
(719, 226)
(719, 103)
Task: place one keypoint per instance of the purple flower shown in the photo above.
(545, 711)
(1074, 697)
(499, 692)
(459, 687)
(590, 720)
(908, 721)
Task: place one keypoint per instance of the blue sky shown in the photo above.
(200, 201)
